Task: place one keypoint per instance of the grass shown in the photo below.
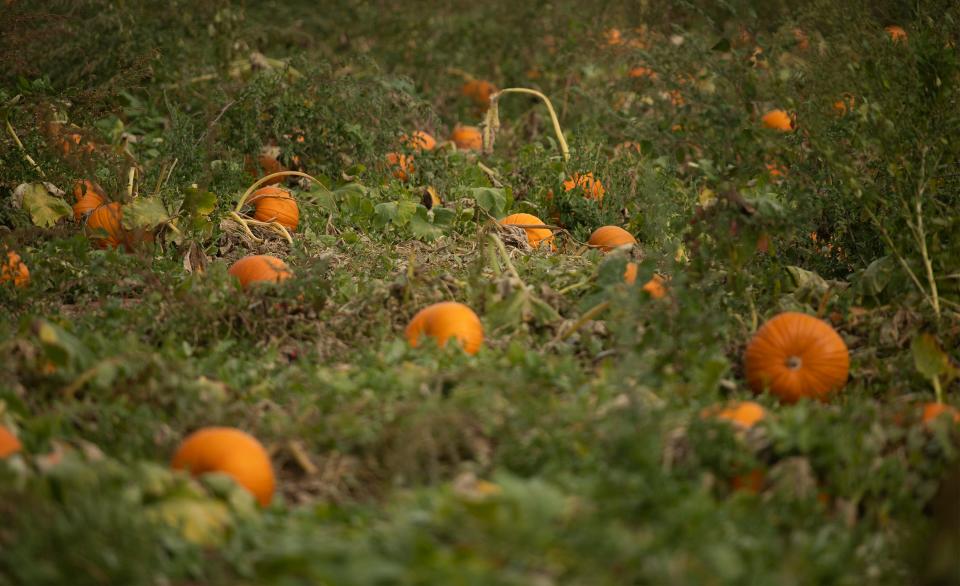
(569, 450)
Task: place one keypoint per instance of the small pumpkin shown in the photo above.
(259, 268)
(9, 444)
(268, 161)
(104, 225)
(232, 452)
(592, 187)
(896, 33)
(535, 236)
(479, 91)
(14, 270)
(778, 120)
(88, 198)
(743, 414)
(402, 165)
(606, 238)
(420, 141)
(796, 356)
(654, 286)
(642, 72)
(446, 320)
(467, 138)
(275, 204)
(933, 411)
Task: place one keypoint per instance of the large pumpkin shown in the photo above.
(104, 227)
(259, 268)
(606, 238)
(535, 236)
(232, 452)
(467, 138)
(795, 355)
(87, 198)
(446, 320)
(14, 270)
(9, 444)
(275, 204)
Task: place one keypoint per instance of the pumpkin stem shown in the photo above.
(794, 362)
(492, 121)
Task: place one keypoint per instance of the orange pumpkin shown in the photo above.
(896, 33)
(420, 141)
(259, 268)
(275, 204)
(269, 161)
(654, 286)
(479, 91)
(932, 411)
(591, 187)
(641, 71)
(14, 270)
(795, 356)
(743, 414)
(606, 238)
(9, 444)
(467, 138)
(535, 236)
(104, 226)
(778, 120)
(446, 320)
(844, 105)
(402, 165)
(232, 452)
(88, 198)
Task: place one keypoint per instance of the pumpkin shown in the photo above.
(606, 238)
(104, 225)
(258, 268)
(933, 411)
(743, 414)
(654, 286)
(74, 142)
(467, 138)
(479, 91)
(14, 270)
(88, 198)
(844, 105)
(268, 160)
(275, 204)
(535, 236)
(402, 165)
(420, 141)
(778, 120)
(641, 71)
(896, 33)
(231, 452)
(591, 187)
(795, 356)
(9, 444)
(613, 37)
(446, 320)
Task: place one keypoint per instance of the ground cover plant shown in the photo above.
(479, 293)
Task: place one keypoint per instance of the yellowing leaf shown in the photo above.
(144, 212)
(44, 208)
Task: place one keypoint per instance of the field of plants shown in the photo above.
(448, 292)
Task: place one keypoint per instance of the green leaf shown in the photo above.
(197, 202)
(929, 359)
(443, 216)
(490, 199)
(421, 227)
(144, 212)
(723, 46)
(44, 208)
(61, 347)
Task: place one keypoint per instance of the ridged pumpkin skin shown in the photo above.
(9, 444)
(446, 320)
(777, 120)
(87, 198)
(467, 138)
(104, 227)
(607, 238)
(259, 268)
(14, 270)
(232, 452)
(795, 356)
(275, 204)
(535, 236)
